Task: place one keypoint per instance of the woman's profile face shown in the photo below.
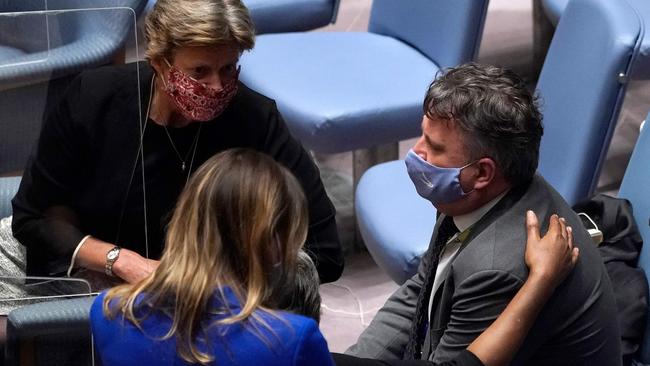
(211, 65)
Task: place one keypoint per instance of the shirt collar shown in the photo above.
(464, 222)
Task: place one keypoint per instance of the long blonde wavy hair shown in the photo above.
(240, 217)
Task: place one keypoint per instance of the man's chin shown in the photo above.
(455, 208)
(444, 209)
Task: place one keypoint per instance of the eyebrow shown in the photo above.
(433, 145)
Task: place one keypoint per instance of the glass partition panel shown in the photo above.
(62, 69)
(44, 45)
(19, 18)
(16, 291)
(88, 108)
(46, 321)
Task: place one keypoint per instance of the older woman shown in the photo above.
(116, 153)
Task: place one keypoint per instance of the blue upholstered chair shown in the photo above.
(582, 85)
(554, 9)
(551, 11)
(8, 189)
(635, 187)
(51, 333)
(277, 16)
(341, 91)
(40, 53)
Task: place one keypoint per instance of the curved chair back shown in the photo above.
(8, 188)
(554, 9)
(50, 333)
(447, 32)
(595, 42)
(636, 188)
(582, 85)
(278, 16)
(67, 43)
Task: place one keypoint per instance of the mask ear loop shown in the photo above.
(161, 77)
(461, 169)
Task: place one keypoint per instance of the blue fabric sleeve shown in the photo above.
(312, 348)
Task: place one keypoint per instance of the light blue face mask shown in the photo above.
(436, 184)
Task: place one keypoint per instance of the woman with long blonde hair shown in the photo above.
(234, 237)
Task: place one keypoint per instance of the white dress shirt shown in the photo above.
(449, 252)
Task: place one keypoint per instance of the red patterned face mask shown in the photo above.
(195, 100)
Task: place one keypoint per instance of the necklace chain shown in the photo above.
(192, 147)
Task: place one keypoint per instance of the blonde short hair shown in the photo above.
(179, 23)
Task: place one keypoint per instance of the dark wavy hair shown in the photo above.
(496, 114)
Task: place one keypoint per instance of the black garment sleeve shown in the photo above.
(465, 358)
(323, 243)
(43, 216)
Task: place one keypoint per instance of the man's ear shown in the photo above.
(486, 172)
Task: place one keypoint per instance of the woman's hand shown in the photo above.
(550, 259)
(129, 266)
(553, 256)
(132, 267)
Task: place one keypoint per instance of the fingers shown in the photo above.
(569, 231)
(532, 225)
(574, 256)
(563, 228)
(553, 226)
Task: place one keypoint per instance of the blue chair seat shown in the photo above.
(400, 223)
(7, 54)
(290, 15)
(341, 106)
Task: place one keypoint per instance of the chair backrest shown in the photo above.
(50, 333)
(636, 188)
(48, 55)
(554, 9)
(582, 85)
(69, 25)
(446, 31)
(8, 188)
(280, 16)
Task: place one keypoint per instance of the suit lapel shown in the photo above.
(442, 299)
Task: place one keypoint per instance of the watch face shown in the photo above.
(112, 254)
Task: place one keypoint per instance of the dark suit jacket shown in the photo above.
(577, 326)
(85, 161)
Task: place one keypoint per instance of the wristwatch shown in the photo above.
(111, 257)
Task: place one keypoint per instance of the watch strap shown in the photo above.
(111, 256)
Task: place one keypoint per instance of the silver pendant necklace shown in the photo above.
(192, 148)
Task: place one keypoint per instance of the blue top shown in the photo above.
(294, 339)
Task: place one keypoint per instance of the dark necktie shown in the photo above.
(419, 327)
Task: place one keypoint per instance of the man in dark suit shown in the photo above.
(476, 162)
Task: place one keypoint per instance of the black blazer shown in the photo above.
(80, 179)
